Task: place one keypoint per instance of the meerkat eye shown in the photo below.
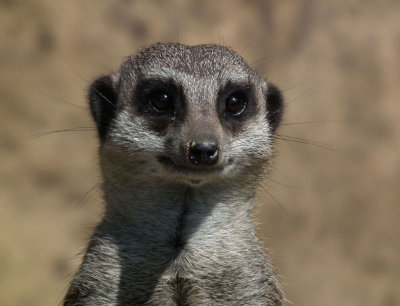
(236, 103)
(161, 101)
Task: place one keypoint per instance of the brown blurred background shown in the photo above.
(339, 67)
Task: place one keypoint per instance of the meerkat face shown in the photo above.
(191, 114)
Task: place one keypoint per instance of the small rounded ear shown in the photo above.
(102, 100)
(275, 106)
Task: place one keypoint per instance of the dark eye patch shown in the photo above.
(160, 101)
(236, 104)
(158, 98)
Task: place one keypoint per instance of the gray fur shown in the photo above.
(180, 238)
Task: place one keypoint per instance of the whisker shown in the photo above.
(299, 97)
(263, 59)
(85, 196)
(76, 129)
(104, 97)
(247, 46)
(277, 202)
(72, 67)
(302, 139)
(311, 122)
(283, 89)
(308, 142)
(60, 100)
(177, 32)
(220, 39)
(282, 184)
(84, 79)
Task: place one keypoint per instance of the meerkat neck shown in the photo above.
(165, 210)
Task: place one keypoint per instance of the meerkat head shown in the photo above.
(190, 114)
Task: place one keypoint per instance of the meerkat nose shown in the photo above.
(203, 153)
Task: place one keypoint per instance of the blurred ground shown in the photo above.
(339, 66)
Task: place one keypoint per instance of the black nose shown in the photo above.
(203, 153)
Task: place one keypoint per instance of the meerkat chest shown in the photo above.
(210, 271)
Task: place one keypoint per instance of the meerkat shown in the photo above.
(186, 134)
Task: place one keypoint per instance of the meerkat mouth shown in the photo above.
(171, 166)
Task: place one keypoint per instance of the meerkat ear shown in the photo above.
(275, 106)
(102, 100)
